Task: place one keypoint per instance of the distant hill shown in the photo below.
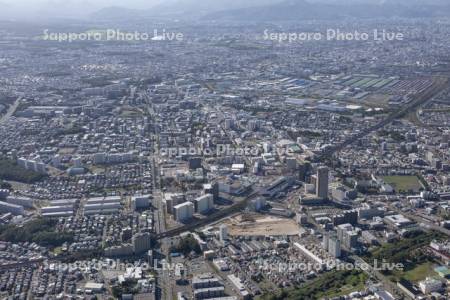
(202, 6)
(330, 10)
(273, 10)
(116, 12)
(179, 8)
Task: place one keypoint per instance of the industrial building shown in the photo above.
(60, 208)
(57, 211)
(23, 201)
(279, 185)
(14, 209)
(102, 205)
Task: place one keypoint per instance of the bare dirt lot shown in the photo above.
(257, 225)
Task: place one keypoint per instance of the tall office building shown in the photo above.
(322, 183)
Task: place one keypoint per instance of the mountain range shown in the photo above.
(283, 10)
(179, 8)
(331, 10)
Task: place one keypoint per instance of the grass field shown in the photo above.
(420, 272)
(404, 183)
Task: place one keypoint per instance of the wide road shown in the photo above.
(10, 112)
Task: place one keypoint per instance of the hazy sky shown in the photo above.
(80, 3)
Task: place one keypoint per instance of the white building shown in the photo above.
(171, 200)
(23, 201)
(367, 212)
(14, 209)
(75, 171)
(77, 162)
(32, 165)
(54, 209)
(184, 211)
(204, 203)
(430, 285)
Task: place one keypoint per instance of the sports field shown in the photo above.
(404, 183)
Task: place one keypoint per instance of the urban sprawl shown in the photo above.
(225, 165)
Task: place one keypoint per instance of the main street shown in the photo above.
(11, 110)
